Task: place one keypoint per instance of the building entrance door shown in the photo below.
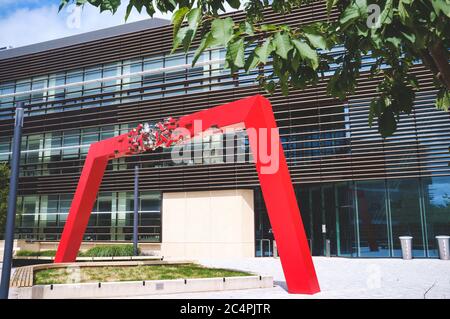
(318, 208)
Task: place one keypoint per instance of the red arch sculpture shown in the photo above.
(255, 113)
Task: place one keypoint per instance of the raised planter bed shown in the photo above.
(24, 287)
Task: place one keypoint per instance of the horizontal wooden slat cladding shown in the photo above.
(129, 46)
(184, 104)
(325, 140)
(370, 157)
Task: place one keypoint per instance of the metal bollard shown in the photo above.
(444, 250)
(328, 247)
(275, 249)
(406, 242)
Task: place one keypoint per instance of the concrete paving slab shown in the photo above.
(342, 278)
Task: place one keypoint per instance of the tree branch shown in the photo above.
(440, 57)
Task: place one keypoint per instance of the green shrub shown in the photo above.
(48, 253)
(30, 253)
(27, 253)
(110, 251)
(98, 251)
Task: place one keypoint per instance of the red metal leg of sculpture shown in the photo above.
(281, 203)
(91, 177)
(257, 116)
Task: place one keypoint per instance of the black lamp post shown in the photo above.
(12, 201)
(136, 210)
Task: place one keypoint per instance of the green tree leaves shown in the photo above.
(138, 4)
(235, 54)
(4, 189)
(441, 7)
(222, 31)
(282, 44)
(354, 11)
(386, 15)
(397, 96)
(387, 124)
(185, 35)
(394, 36)
(306, 53)
(264, 50)
(443, 99)
(178, 18)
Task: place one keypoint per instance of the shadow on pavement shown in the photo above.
(282, 284)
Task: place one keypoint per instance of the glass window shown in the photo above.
(71, 142)
(178, 75)
(73, 92)
(346, 230)
(92, 74)
(29, 211)
(406, 217)
(56, 143)
(220, 77)
(23, 86)
(72, 78)
(111, 70)
(197, 75)
(129, 207)
(33, 147)
(104, 209)
(437, 209)
(373, 234)
(56, 80)
(52, 210)
(107, 132)
(92, 89)
(263, 229)
(134, 82)
(88, 137)
(64, 206)
(6, 102)
(39, 84)
(5, 144)
(150, 202)
(153, 80)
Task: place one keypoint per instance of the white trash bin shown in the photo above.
(444, 250)
(406, 242)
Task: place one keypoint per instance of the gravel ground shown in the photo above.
(343, 278)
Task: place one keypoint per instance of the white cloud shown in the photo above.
(28, 26)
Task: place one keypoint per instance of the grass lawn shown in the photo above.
(130, 273)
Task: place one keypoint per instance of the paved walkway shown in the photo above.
(344, 278)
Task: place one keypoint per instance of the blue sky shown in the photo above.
(24, 22)
(9, 6)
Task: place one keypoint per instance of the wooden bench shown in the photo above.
(23, 277)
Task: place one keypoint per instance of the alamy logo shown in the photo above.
(374, 276)
(73, 20)
(373, 19)
(228, 146)
(73, 274)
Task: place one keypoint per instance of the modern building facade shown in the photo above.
(355, 189)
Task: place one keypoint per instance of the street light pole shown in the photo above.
(12, 201)
(136, 209)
